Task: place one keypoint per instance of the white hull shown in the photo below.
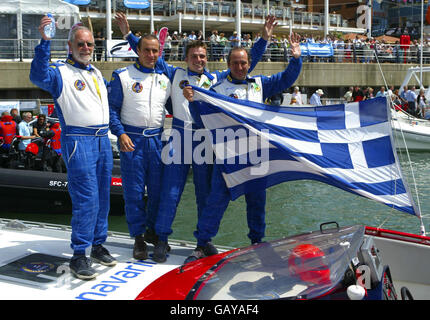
(408, 263)
(412, 131)
(122, 282)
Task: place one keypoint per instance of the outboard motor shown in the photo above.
(4, 154)
(15, 158)
(43, 158)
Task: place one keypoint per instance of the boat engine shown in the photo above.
(14, 156)
(372, 274)
(38, 151)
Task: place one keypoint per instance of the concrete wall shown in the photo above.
(15, 75)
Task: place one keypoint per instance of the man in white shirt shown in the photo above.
(25, 131)
(348, 95)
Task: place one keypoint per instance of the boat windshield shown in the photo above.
(301, 267)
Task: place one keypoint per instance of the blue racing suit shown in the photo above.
(256, 89)
(175, 173)
(137, 99)
(81, 102)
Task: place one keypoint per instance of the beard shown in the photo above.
(81, 58)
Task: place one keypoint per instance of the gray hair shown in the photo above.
(26, 114)
(74, 29)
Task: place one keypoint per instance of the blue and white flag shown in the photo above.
(137, 4)
(349, 146)
(316, 49)
(78, 2)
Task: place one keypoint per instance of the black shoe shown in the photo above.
(197, 254)
(101, 255)
(80, 266)
(151, 237)
(160, 251)
(202, 252)
(209, 249)
(140, 251)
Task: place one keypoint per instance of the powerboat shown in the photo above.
(350, 262)
(335, 262)
(410, 132)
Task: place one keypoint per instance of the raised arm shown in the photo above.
(294, 39)
(269, 26)
(285, 79)
(260, 46)
(122, 22)
(42, 74)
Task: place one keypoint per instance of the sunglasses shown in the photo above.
(82, 44)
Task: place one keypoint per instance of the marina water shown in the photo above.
(292, 207)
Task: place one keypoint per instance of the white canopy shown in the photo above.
(56, 7)
(65, 13)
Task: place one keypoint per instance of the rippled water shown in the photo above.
(292, 207)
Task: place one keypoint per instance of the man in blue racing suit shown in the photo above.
(183, 148)
(240, 86)
(81, 101)
(137, 98)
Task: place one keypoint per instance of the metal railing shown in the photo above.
(23, 50)
(170, 8)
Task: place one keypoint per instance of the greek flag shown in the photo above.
(316, 49)
(349, 146)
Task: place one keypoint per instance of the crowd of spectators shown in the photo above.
(356, 50)
(410, 99)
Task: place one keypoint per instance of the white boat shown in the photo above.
(410, 132)
(34, 266)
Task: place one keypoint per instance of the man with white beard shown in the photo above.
(81, 102)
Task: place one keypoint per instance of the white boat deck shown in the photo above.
(34, 261)
(31, 278)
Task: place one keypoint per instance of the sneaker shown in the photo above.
(201, 252)
(80, 266)
(101, 255)
(160, 251)
(151, 237)
(140, 251)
